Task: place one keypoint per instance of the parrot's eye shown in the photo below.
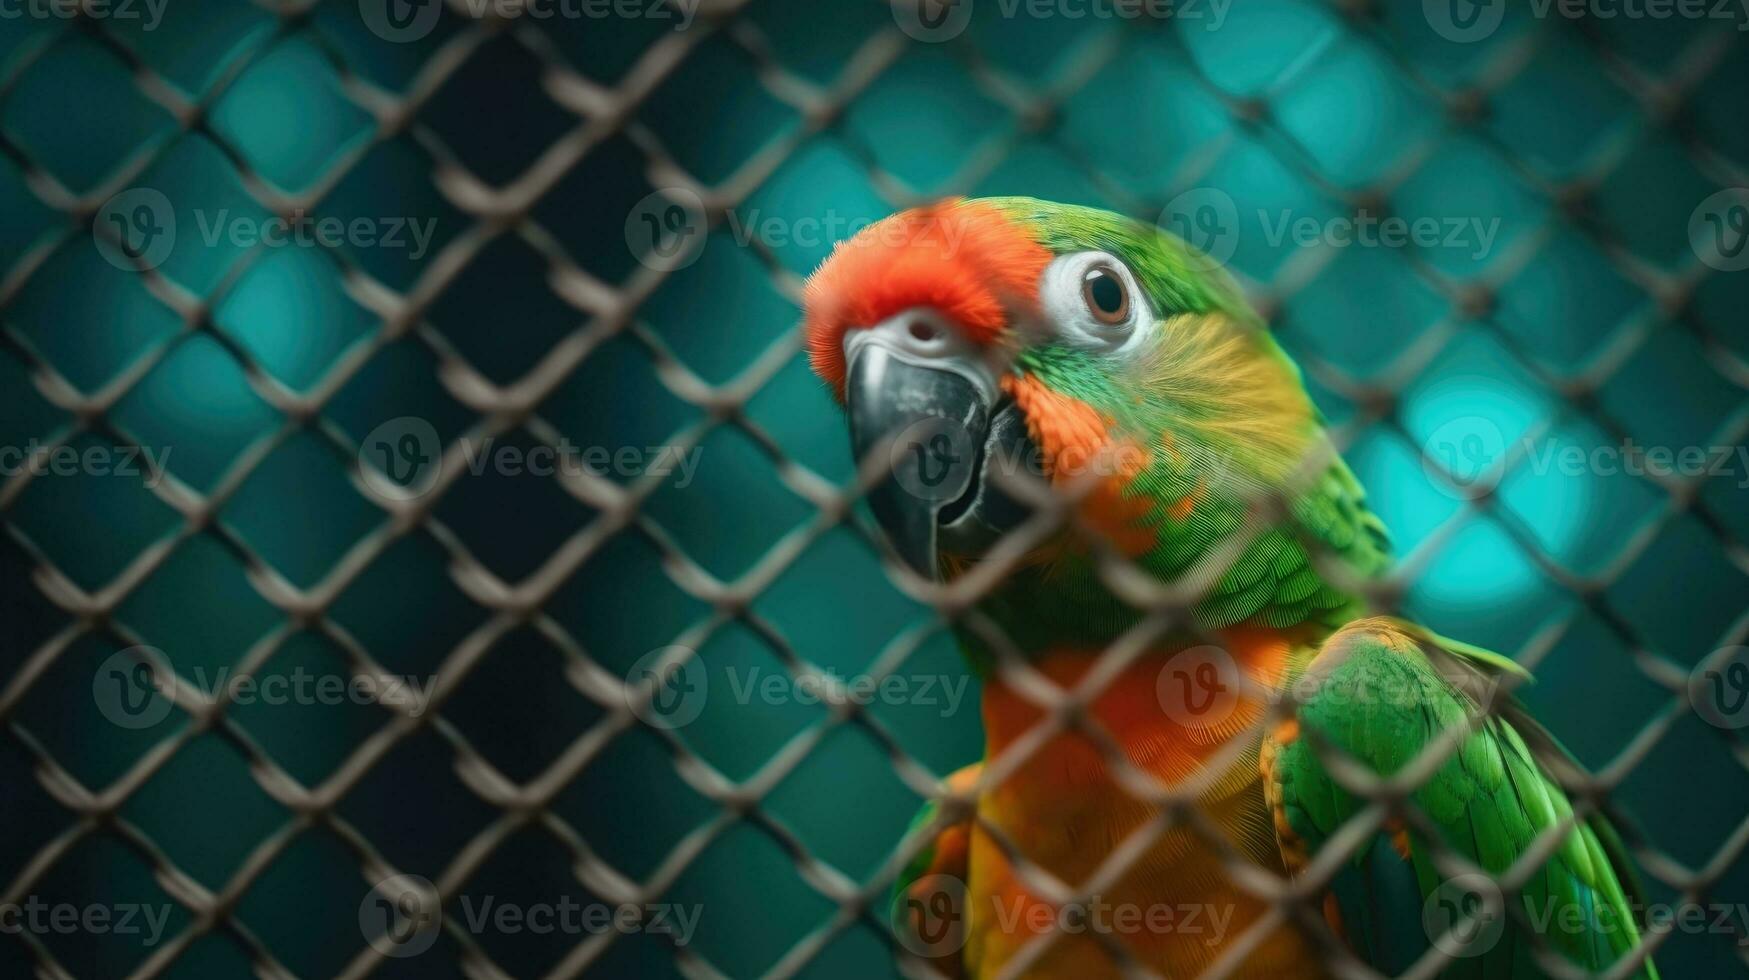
(1107, 296)
(1093, 301)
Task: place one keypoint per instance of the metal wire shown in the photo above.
(612, 310)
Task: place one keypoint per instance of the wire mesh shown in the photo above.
(507, 209)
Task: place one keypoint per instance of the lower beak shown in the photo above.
(935, 432)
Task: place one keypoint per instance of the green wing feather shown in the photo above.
(1382, 691)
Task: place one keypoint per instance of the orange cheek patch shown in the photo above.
(965, 259)
(1120, 519)
(1074, 439)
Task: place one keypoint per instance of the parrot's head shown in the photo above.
(1009, 333)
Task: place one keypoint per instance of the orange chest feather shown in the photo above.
(1170, 711)
(1066, 811)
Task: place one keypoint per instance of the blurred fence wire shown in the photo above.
(685, 204)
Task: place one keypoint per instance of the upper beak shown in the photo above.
(926, 404)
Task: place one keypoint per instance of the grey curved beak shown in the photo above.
(926, 404)
(927, 427)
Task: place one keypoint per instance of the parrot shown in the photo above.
(985, 351)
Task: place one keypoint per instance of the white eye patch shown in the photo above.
(1095, 303)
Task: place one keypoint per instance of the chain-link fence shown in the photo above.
(392, 389)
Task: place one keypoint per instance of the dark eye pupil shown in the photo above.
(1106, 293)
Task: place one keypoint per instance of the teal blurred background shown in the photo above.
(1290, 108)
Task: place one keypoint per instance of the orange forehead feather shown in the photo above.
(966, 259)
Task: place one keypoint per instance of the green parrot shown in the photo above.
(997, 356)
